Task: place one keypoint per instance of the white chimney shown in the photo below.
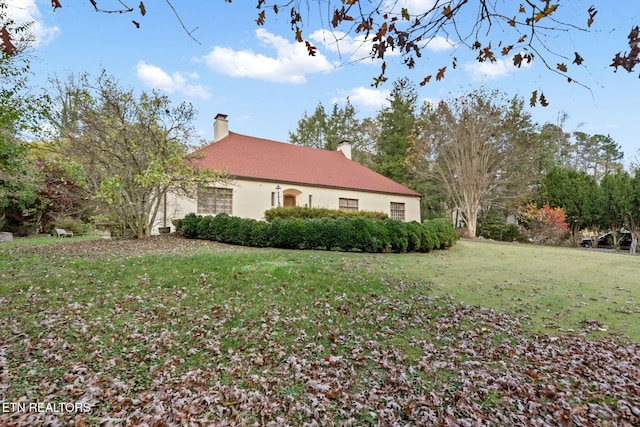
(345, 148)
(220, 127)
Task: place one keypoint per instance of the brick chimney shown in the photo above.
(345, 148)
(220, 127)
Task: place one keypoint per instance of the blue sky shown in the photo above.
(265, 81)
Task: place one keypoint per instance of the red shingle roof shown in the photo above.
(265, 160)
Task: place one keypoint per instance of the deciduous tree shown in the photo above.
(475, 147)
(20, 113)
(133, 149)
(544, 224)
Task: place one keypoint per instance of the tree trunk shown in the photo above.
(472, 222)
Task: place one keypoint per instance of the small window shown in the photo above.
(348, 204)
(215, 200)
(397, 211)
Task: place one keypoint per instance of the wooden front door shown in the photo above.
(289, 200)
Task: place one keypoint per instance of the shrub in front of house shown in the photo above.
(188, 226)
(398, 234)
(260, 233)
(342, 233)
(414, 236)
(445, 233)
(288, 233)
(286, 212)
(368, 236)
(319, 233)
(428, 239)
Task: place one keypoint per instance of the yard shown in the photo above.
(170, 331)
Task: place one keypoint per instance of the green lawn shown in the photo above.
(556, 288)
(182, 331)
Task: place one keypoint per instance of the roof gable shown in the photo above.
(262, 159)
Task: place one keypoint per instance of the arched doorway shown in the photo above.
(290, 197)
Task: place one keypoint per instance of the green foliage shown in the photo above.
(77, 226)
(287, 233)
(492, 224)
(399, 238)
(286, 212)
(445, 234)
(414, 236)
(188, 226)
(319, 233)
(343, 233)
(396, 129)
(134, 148)
(326, 131)
(259, 233)
(577, 193)
(618, 200)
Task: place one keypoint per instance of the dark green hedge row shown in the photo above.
(344, 233)
(286, 212)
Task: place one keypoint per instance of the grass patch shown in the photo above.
(214, 333)
(557, 289)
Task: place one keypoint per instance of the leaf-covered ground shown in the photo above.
(227, 336)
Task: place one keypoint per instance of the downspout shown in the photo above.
(164, 220)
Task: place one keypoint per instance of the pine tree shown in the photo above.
(396, 130)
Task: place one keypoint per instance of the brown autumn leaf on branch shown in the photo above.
(401, 31)
(426, 80)
(630, 60)
(8, 48)
(311, 50)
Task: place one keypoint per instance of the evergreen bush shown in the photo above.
(414, 232)
(286, 212)
(492, 224)
(398, 235)
(342, 233)
(445, 233)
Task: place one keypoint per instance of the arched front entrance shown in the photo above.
(290, 197)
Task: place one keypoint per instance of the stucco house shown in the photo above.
(268, 173)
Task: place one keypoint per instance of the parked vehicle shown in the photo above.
(586, 242)
(623, 242)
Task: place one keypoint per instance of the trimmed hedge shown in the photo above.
(286, 212)
(342, 233)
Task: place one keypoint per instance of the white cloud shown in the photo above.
(352, 48)
(26, 11)
(365, 98)
(439, 44)
(414, 7)
(359, 48)
(492, 70)
(157, 78)
(291, 63)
